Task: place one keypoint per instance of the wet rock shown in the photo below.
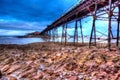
(8, 61)
(81, 77)
(0, 74)
(61, 68)
(5, 68)
(27, 73)
(12, 78)
(13, 68)
(39, 75)
(103, 66)
(71, 66)
(117, 76)
(29, 62)
(49, 60)
(72, 78)
(116, 59)
(90, 64)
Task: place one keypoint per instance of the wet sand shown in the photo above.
(49, 61)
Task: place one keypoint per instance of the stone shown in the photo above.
(103, 66)
(71, 66)
(116, 59)
(39, 75)
(9, 60)
(81, 76)
(72, 78)
(26, 73)
(12, 78)
(117, 76)
(0, 74)
(5, 68)
(13, 68)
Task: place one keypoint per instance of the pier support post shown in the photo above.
(118, 27)
(64, 34)
(76, 33)
(49, 36)
(57, 38)
(109, 24)
(53, 36)
(93, 31)
(62, 37)
(81, 32)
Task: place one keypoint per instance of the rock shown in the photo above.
(5, 68)
(117, 76)
(116, 59)
(25, 74)
(12, 78)
(72, 78)
(29, 62)
(0, 74)
(61, 68)
(39, 75)
(103, 66)
(9, 60)
(90, 64)
(13, 68)
(49, 60)
(109, 63)
(71, 66)
(81, 77)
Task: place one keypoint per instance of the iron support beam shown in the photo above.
(81, 32)
(109, 24)
(65, 33)
(118, 27)
(56, 34)
(53, 36)
(49, 35)
(57, 37)
(76, 33)
(63, 29)
(93, 31)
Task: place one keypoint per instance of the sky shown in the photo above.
(18, 17)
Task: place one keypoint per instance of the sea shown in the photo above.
(22, 41)
(19, 41)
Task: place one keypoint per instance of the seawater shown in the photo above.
(22, 41)
(19, 41)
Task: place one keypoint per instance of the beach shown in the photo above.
(52, 61)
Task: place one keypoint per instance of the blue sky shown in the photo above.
(19, 17)
(22, 16)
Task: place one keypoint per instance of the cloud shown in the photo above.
(34, 10)
(31, 14)
(5, 32)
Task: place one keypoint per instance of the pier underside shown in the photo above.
(94, 8)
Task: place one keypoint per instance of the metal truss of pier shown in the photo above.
(94, 8)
